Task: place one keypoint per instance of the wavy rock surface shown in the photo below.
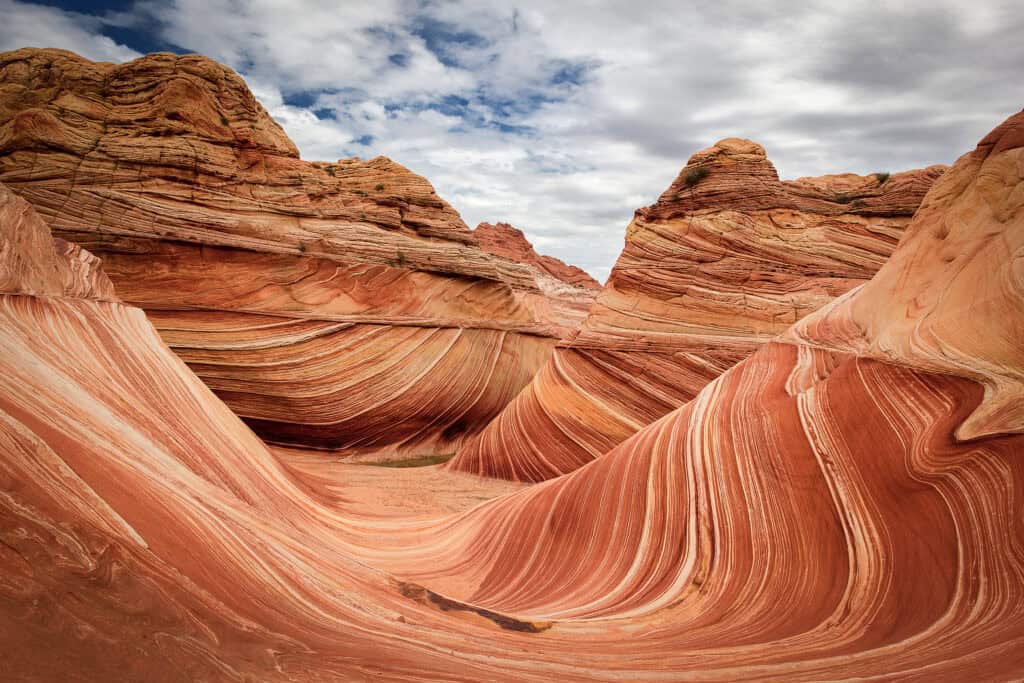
(811, 515)
(282, 283)
(728, 258)
(845, 503)
(145, 532)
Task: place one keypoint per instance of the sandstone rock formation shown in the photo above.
(568, 288)
(336, 305)
(144, 527)
(33, 263)
(728, 258)
(846, 503)
(502, 239)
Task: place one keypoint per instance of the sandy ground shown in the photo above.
(375, 491)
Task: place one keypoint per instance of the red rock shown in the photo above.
(568, 289)
(841, 504)
(951, 300)
(504, 240)
(33, 263)
(811, 515)
(727, 258)
(336, 305)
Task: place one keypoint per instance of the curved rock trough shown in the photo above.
(844, 503)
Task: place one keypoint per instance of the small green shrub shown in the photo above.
(882, 177)
(843, 198)
(379, 187)
(400, 260)
(695, 175)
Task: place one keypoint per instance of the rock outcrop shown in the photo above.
(33, 263)
(502, 239)
(568, 288)
(145, 531)
(728, 258)
(847, 503)
(335, 305)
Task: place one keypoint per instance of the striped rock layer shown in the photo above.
(568, 287)
(502, 239)
(284, 284)
(845, 503)
(728, 258)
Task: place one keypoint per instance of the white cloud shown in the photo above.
(563, 120)
(25, 25)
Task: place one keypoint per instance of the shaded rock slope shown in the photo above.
(568, 287)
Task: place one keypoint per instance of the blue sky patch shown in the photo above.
(302, 98)
(442, 38)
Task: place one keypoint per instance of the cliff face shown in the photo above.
(727, 259)
(847, 503)
(335, 305)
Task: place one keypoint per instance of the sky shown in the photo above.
(562, 118)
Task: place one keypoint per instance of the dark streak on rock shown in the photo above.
(426, 596)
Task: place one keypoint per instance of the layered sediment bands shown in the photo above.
(567, 287)
(31, 262)
(753, 491)
(141, 522)
(816, 511)
(810, 515)
(264, 271)
(726, 259)
(962, 263)
(506, 241)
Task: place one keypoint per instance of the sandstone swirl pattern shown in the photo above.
(726, 259)
(846, 503)
(282, 283)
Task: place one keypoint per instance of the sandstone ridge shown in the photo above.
(814, 513)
